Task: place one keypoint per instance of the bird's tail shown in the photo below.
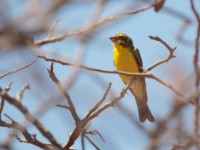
(144, 111)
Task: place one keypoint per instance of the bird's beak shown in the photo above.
(113, 39)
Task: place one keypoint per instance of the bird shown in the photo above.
(127, 58)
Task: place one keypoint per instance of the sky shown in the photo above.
(116, 129)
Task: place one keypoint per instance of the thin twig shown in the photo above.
(52, 29)
(113, 101)
(138, 10)
(90, 27)
(83, 122)
(170, 56)
(196, 69)
(82, 141)
(19, 69)
(31, 118)
(97, 148)
(29, 138)
(100, 101)
(4, 91)
(94, 132)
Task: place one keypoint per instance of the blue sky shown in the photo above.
(117, 130)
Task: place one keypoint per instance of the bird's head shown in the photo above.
(122, 40)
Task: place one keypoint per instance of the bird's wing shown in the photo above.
(138, 58)
(141, 84)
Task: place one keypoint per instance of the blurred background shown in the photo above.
(23, 23)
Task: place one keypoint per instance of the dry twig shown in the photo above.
(29, 138)
(82, 124)
(61, 88)
(196, 69)
(17, 70)
(31, 118)
(90, 27)
(2, 92)
(170, 56)
(147, 75)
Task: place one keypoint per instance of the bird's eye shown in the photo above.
(121, 37)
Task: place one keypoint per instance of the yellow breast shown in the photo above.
(124, 61)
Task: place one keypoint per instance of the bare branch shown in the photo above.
(169, 86)
(100, 101)
(2, 92)
(29, 138)
(36, 18)
(96, 147)
(31, 118)
(147, 75)
(19, 69)
(83, 141)
(135, 11)
(94, 132)
(52, 29)
(66, 95)
(113, 101)
(82, 123)
(170, 56)
(196, 69)
(90, 27)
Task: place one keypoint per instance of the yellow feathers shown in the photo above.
(127, 58)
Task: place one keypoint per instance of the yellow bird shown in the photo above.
(127, 58)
